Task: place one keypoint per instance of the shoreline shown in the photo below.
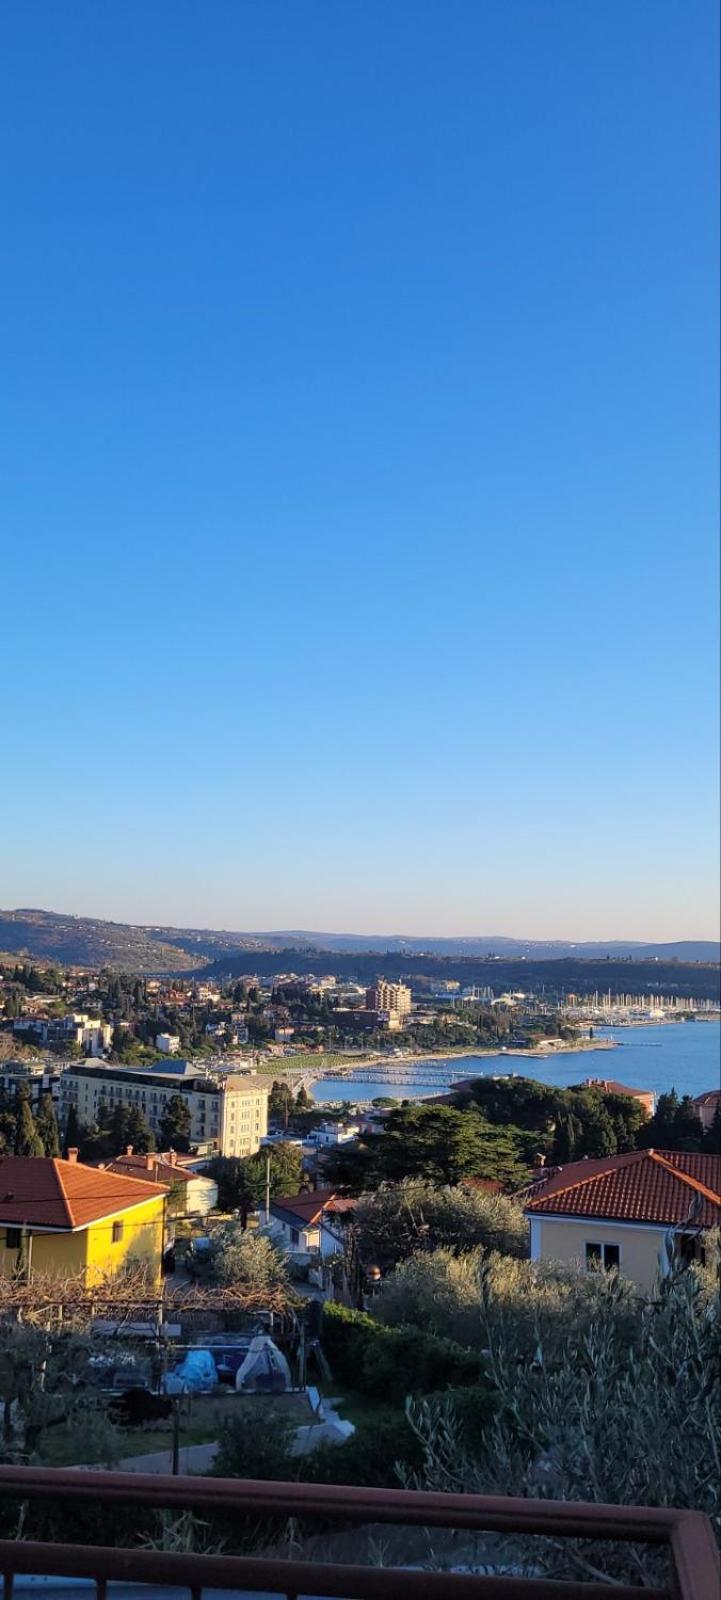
(540, 1052)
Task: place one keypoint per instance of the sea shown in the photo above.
(685, 1056)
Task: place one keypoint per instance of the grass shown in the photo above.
(200, 1423)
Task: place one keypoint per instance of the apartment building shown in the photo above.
(229, 1113)
(392, 1001)
(90, 1034)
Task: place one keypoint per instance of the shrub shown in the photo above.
(391, 1363)
(625, 1409)
(369, 1457)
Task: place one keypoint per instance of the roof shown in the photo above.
(38, 1192)
(155, 1169)
(304, 1208)
(710, 1098)
(612, 1086)
(656, 1186)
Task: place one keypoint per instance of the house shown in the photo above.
(310, 1222)
(65, 1218)
(168, 1043)
(706, 1106)
(616, 1211)
(645, 1097)
(190, 1194)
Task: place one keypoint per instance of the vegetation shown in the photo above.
(23, 1134)
(389, 1363)
(248, 1261)
(439, 1143)
(242, 1180)
(607, 1413)
(397, 1220)
(566, 1124)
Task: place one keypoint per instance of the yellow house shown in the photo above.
(616, 1211)
(64, 1218)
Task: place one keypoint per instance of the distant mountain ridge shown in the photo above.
(155, 948)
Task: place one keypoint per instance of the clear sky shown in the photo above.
(359, 464)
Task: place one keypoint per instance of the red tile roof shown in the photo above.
(305, 1207)
(156, 1168)
(645, 1186)
(37, 1192)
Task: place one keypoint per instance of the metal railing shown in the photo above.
(687, 1536)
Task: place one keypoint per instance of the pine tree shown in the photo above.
(175, 1124)
(138, 1133)
(27, 1138)
(47, 1127)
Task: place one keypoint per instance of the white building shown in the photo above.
(169, 1043)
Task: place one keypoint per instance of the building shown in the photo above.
(706, 1106)
(169, 1043)
(190, 1193)
(390, 1001)
(228, 1114)
(310, 1223)
(616, 1211)
(90, 1035)
(646, 1097)
(35, 1076)
(65, 1218)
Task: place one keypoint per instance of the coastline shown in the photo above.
(540, 1052)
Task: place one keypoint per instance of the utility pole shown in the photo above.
(267, 1189)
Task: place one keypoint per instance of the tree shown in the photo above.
(675, 1125)
(604, 1415)
(27, 1138)
(47, 1127)
(138, 1132)
(247, 1261)
(242, 1180)
(439, 1143)
(712, 1136)
(303, 1100)
(175, 1124)
(397, 1220)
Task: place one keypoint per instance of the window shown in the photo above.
(118, 1230)
(602, 1255)
(13, 1238)
(294, 1236)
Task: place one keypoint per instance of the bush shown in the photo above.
(391, 1363)
(473, 1297)
(245, 1451)
(369, 1457)
(624, 1409)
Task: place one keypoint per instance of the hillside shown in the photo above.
(90, 941)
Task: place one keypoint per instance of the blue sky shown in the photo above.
(359, 464)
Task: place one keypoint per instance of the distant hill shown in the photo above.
(89, 941)
(498, 945)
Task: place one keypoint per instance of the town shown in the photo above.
(331, 1271)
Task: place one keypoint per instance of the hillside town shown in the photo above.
(211, 1246)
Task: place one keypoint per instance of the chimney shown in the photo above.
(172, 1157)
(72, 1153)
(149, 1161)
(128, 1149)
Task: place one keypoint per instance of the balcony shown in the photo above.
(686, 1535)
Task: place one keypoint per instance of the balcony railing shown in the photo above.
(687, 1536)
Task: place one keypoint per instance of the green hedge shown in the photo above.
(390, 1363)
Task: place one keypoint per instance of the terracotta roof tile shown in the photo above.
(645, 1186)
(41, 1193)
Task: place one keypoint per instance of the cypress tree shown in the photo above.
(46, 1126)
(27, 1138)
